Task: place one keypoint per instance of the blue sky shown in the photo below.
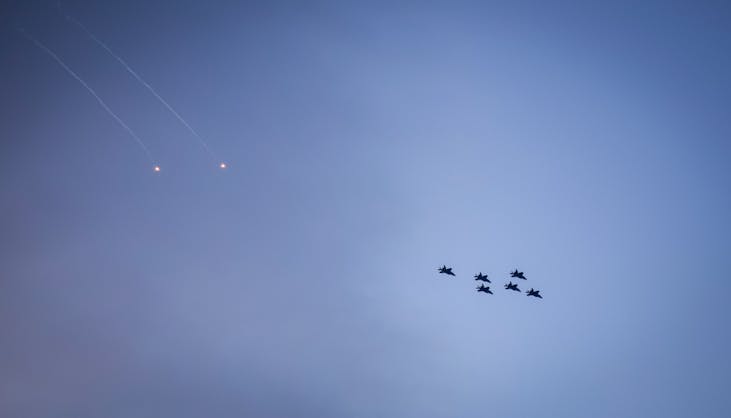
(585, 143)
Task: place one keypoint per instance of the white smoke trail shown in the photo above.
(90, 90)
(140, 80)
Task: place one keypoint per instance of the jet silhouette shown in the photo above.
(511, 286)
(535, 293)
(518, 274)
(482, 277)
(444, 270)
(484, 288)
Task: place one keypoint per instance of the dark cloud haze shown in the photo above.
(586, 143)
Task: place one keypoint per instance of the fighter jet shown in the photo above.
(518, 274)
(535, 293)
(511, 286)
(444, 270)
(484, 288)
(482, 277)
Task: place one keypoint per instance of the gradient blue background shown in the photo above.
(586, 143)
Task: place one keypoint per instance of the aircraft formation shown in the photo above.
(484, 279)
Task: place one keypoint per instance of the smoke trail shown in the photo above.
(138, 78)
(90, 90)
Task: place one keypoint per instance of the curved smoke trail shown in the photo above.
(140, 80)
(90, 90)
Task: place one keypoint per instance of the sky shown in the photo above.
(585, 143)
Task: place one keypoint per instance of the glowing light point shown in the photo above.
(156, 168)
(223, 165)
